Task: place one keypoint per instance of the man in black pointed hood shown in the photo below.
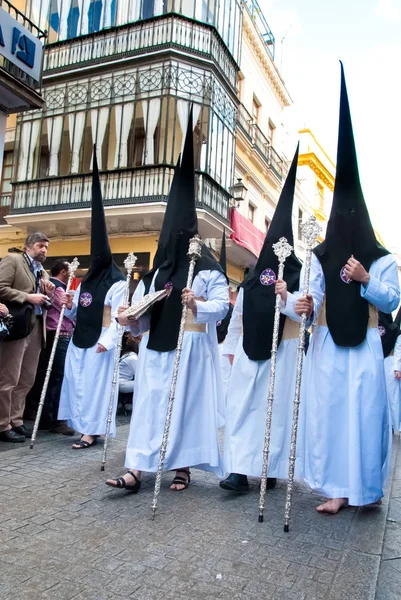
(390, 335)
(90, 358)
(352, 275)
(193, 438)
(248, 344)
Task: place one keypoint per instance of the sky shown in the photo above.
(311, 37)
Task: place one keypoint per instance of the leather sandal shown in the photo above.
(185, 481)
(82, 444)
(121, 484)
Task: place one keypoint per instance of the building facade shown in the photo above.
(121, 75)
(21, 55)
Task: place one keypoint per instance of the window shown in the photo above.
(320, 195)
(270, 133)
(267, 225)
(5, 183)
(300, 222)
(251, 212)
(255, 109)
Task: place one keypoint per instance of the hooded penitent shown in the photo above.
(259, 289)
(222, 327)
(183, 224)
(102, 273)
(349, 233)
(389, 330)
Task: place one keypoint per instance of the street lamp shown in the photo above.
(238, 191)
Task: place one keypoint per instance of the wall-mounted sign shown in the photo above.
(20, 46)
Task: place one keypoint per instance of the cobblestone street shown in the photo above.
(66, 536)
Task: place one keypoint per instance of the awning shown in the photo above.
(245, 233)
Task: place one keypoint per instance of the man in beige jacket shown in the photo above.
(22, 279)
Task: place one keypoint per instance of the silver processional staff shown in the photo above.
(310, 232)
(73, 267)
(194, 252)
(129, 264)
(282, 250)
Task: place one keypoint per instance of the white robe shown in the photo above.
(88, 376)
(193, 438)
(225, 369)
(391, 364)
(247, 407)
(347, 424)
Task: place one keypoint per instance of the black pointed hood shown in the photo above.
(222, 327)
(167, 225)
(223, 253)
(102, 273)
(259, 294)
(183, 225)
(389, 330)
(349, 232)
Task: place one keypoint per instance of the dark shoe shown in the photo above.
(62, 428)
(178, 480)
(235, 483)
(11, 436)
(121, 484)
(22, 430)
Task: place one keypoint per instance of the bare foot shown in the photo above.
(181, 480)
(331, 507)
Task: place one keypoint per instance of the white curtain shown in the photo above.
(122, 12)
(99, 119)
(76, 126)
(83, 24)
(134, 9)
(183, 115)
(65, 6)
(29, 138)
(105, 19)
(158, 7)
(124, 114)
(199, 10)
(151, 114)
(54, 134)
(40, 13)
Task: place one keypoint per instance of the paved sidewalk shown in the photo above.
(66, 536)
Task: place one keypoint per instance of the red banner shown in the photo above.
(245, 233)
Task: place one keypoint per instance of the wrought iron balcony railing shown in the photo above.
(260, 142)
(261, 24)
(141, 37)
(125, 186)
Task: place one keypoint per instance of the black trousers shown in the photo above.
(52, 399)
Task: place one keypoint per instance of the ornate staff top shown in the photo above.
(282, 249)
(74, 266)
(310, 231)
(130, 261)
(195, 247)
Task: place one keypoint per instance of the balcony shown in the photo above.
(259, 142)
(261, 24)
(143, 38)
(21, 51)
(135, 198)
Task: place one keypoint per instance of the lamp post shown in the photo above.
(238, 192)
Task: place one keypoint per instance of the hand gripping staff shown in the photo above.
(129, 264)
(310, 231)
(282, 250)
(73, 267)
(194, 252)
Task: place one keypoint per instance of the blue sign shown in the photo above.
(20, 46)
